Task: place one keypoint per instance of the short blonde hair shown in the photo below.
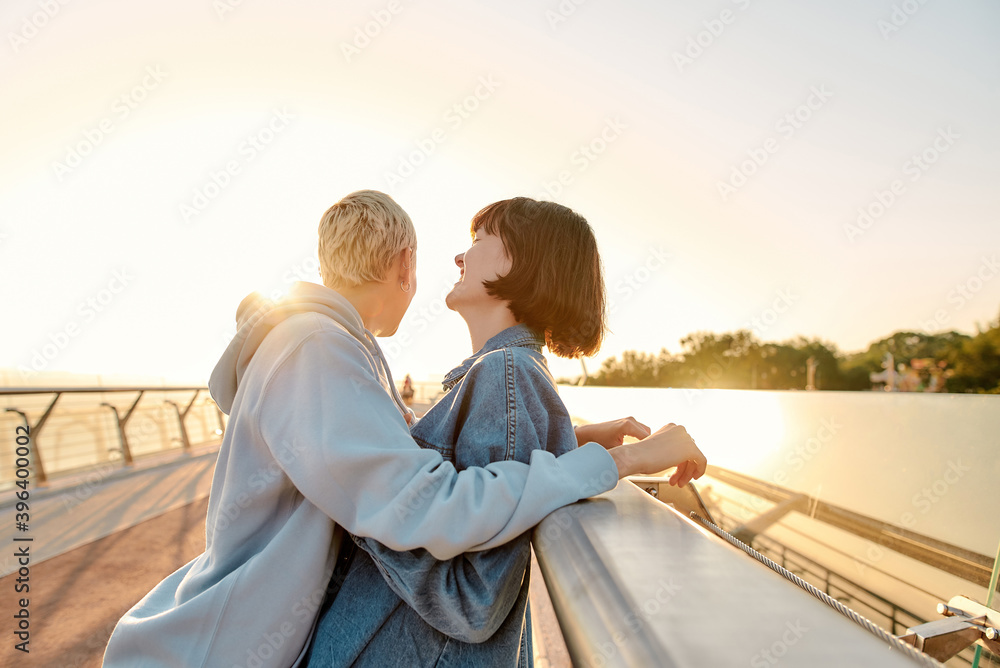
(359, 236)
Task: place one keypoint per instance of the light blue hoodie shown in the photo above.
(317, 441)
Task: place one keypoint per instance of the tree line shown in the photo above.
(947, 361)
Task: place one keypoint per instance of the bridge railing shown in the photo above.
(75, 429)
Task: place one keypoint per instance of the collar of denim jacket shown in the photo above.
(517, 336)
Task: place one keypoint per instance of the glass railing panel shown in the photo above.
(81, 432)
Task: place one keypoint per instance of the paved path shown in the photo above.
(77, 597)
(67, 515)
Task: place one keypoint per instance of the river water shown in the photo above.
(927, 462)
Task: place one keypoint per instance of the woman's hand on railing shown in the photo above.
(669, 447)
(611, 434)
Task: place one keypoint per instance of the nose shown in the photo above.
(460, 260)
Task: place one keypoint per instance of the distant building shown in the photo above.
(922, 375)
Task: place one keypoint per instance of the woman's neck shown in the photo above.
(369, 303)
(486, 323)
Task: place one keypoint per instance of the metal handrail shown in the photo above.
(634, 582)
(181, 409)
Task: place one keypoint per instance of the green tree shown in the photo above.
(976, 364)
(635, 369)
(718, 360)
(737, 360)
(904, 347)
(784, 366)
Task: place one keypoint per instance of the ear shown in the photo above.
(402, 265)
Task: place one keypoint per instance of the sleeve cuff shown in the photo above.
(593, 467)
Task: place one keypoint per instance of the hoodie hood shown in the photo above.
(257, 316)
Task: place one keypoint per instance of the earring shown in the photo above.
(406, 289)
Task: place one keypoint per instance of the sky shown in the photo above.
(818, 169)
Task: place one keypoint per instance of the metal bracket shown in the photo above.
(685, 501)
(36, 430)
(122, 423)
(966, 622)
(185, 442)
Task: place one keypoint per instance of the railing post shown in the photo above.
(122, 421)
(36, 458)
(180, 424)
(185, 442)
(35, 430)
(122, 439)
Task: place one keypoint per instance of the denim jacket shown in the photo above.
(409, 609)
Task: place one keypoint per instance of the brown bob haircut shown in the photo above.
(555, 284)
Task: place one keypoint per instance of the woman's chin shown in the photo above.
(451, 300)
